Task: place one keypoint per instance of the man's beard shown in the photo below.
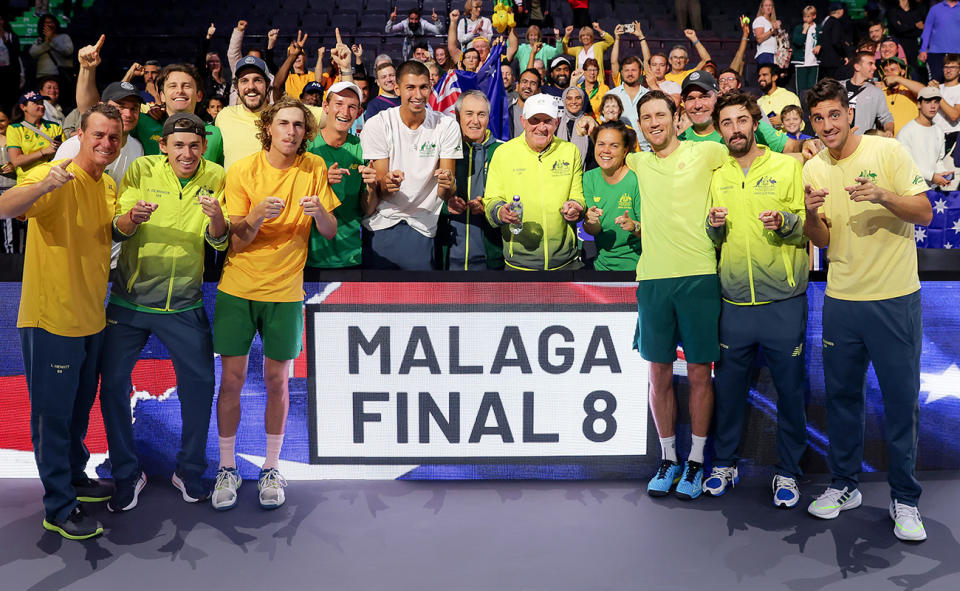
(562, 81)
(736, 153)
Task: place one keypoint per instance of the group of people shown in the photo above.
(339, 180)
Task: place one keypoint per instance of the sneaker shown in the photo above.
(720, 478)
(225, 490)
(832, 501)
(191, 487)
(271, 489)
(691, 483)
(909, 525)
(92, 491)
(786, 493)
(667, 475)
(128, 491)
(77, 526)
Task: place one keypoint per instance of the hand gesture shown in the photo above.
(357, 50)
(89, 55)
(335, 174)
(48, 31)
(341, 53)
(444, 178)
(211, 30)
(571, 211)
(311, 205)
(392, 183)
(772, 220)
(434, 17)
(297, 46)
(476, 206)
(241, 26)
(142, 211)
(456, 205)
(58, 176)
(368, 174)
(272, 35)
(690, 34)
(717, 216)
(157, 111)
(637, 29)
(575, 76)
(593, 215)
(321, 51)
(618, 31)
(811, 148)
(393, 14)
(865, 190)
(537, 47)
(556, 33)
(626, 224)
(454, 15)
(210, 206)
(269, 208)
(478, 27)
(586, 125)
(745, 25)
(135, 70)
(814, 199)
(567, 31)
(596, 26)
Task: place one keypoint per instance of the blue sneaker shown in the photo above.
(667, 475)
(785, 491)
(720, 478)
(691, 483)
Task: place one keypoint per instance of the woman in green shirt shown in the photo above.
(612, 191)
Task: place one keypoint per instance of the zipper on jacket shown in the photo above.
(466, 256)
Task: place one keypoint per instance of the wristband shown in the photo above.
(130, 213)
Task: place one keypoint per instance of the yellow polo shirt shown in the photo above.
(238, 126)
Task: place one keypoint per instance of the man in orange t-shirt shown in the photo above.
(273, 198)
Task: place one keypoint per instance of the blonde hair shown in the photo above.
(773, 11)
(268, 114)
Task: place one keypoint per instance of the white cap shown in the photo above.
(541, 104)
(341, 86)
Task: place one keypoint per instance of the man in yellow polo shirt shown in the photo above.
(238, 123)
(678, 293)
(273, 197)
(70, 206)
(863, 196)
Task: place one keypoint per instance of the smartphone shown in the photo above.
(948, 176)
(629, 28)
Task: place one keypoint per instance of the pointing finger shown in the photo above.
(337, 32)
(100, 42)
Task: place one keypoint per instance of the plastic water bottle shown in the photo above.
(517, 207)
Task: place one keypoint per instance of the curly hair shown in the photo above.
(268, 114)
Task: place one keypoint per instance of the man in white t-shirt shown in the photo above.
(413, 150)
(948, 117)
(924, 140)
(125, 97)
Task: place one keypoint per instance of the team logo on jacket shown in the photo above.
(560, 168)
(625, 202)
(427, 149)
(765, 185)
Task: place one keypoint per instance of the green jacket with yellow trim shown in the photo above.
(161, 264)
(544, 181)
(759, 266)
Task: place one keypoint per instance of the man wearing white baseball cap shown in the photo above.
(546, 174)
(353, 182)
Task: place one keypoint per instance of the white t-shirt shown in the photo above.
(116, 169)
(810, 58)
(416, 152)
(770, 45)
(950, 94)
(925, 144)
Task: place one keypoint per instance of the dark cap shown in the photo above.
(186, 123)
(32, 97)
(836, 6)
(699, 79)
(117, 91)
(251, 61)
(312, 87)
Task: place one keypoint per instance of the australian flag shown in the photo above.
(944, 230)
(489, 80)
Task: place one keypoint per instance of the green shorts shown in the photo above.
(237, 320)
(679, 310)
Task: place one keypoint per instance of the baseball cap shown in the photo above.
(312, 87)
(117, 91)
(541, 104)
(558, 61)
(699, 79)
(251, 61)
(32, 97)
(184, 122)
(929, 93)
(339, 87)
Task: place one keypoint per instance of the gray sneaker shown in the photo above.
(271, 489)
(225, 490)
(832, 501)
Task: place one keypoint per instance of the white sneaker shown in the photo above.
(909, 525)
(271, 488)
(720, 478)
(225, 490)
(786, 493)
(832, 501)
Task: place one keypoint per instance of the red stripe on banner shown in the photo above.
(480, 293)
(300, 363)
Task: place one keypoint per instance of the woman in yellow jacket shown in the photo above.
(589, 46)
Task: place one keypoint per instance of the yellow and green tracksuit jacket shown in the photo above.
(160, 268)
(544, 181)
(759, 266)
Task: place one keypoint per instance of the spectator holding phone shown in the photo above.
(925, 141)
